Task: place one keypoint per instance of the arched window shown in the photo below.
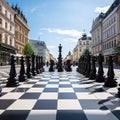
(1, 21)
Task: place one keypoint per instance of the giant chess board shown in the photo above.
(59, 96)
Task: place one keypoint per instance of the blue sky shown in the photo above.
(60, 21)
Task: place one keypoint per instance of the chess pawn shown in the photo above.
(51, 69)
(37, 65)
(12, 80)
(28, 64)
(22, 77)
(33, 65)
(93, 69)
(110, 81)
(100, 77)
(87, 73)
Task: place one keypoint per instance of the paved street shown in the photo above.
(59, 96)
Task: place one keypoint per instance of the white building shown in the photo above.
(40, 48)
(84, 42)
(7, 31)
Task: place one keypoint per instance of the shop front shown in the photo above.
(5, 52)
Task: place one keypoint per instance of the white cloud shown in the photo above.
(51, 46)
(73, 33)
(70, 40)
(34, 9)
(102, 9)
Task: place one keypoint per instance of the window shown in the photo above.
(6, 25)
(10, 41)
(10, 17)
(0, 21)
(5, 12)
(6, 39)
(10, 28)
(115, 43)
(87, 42)
(0, 8)
(0, 37)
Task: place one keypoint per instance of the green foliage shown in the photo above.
(86, 52)
(117, 49)
(28, 49)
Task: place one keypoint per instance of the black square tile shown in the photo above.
(14, 115)
(31, 82)
(65, 85)
(39, 85)
(81, 90)
(53, 82)
(50, 90)
(30, 96)
(45, 104)
(116, 113)
(67, 96)
(20, 90)
(5, 103)
(70, 115)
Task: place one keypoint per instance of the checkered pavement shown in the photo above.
(59, 96)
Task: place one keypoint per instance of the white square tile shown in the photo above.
(26, 86)
(41, 82)
(12, 95)
(52, 86)
(8, 89)
(102, 95)
(22, 105)
(69, 105)
(42, 115)
(66, 90)
(54, 80)
(49, 96)
(99, 115)
(85, 95)
(1, 111)
(39, 90)
(65, 82)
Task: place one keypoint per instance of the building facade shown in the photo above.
(84, 42)
(110, 32)
(75, 54)
(40, 48)
(7, 29)
(21, 30)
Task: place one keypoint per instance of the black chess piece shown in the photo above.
(59, 66)
(51, 69)
(68, 66)
(22, 77)
(84, 66)
(12, 80)
(41, 64)
(93, 68)
(37, 65)
(110, 81)
(33, 65)
(88, 69)
(100, 77)
(28, 64)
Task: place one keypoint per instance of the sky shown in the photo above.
(60, 21)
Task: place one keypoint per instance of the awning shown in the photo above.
(7, 48)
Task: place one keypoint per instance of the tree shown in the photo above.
(86, 52)
(117, 49)
(28, 49)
